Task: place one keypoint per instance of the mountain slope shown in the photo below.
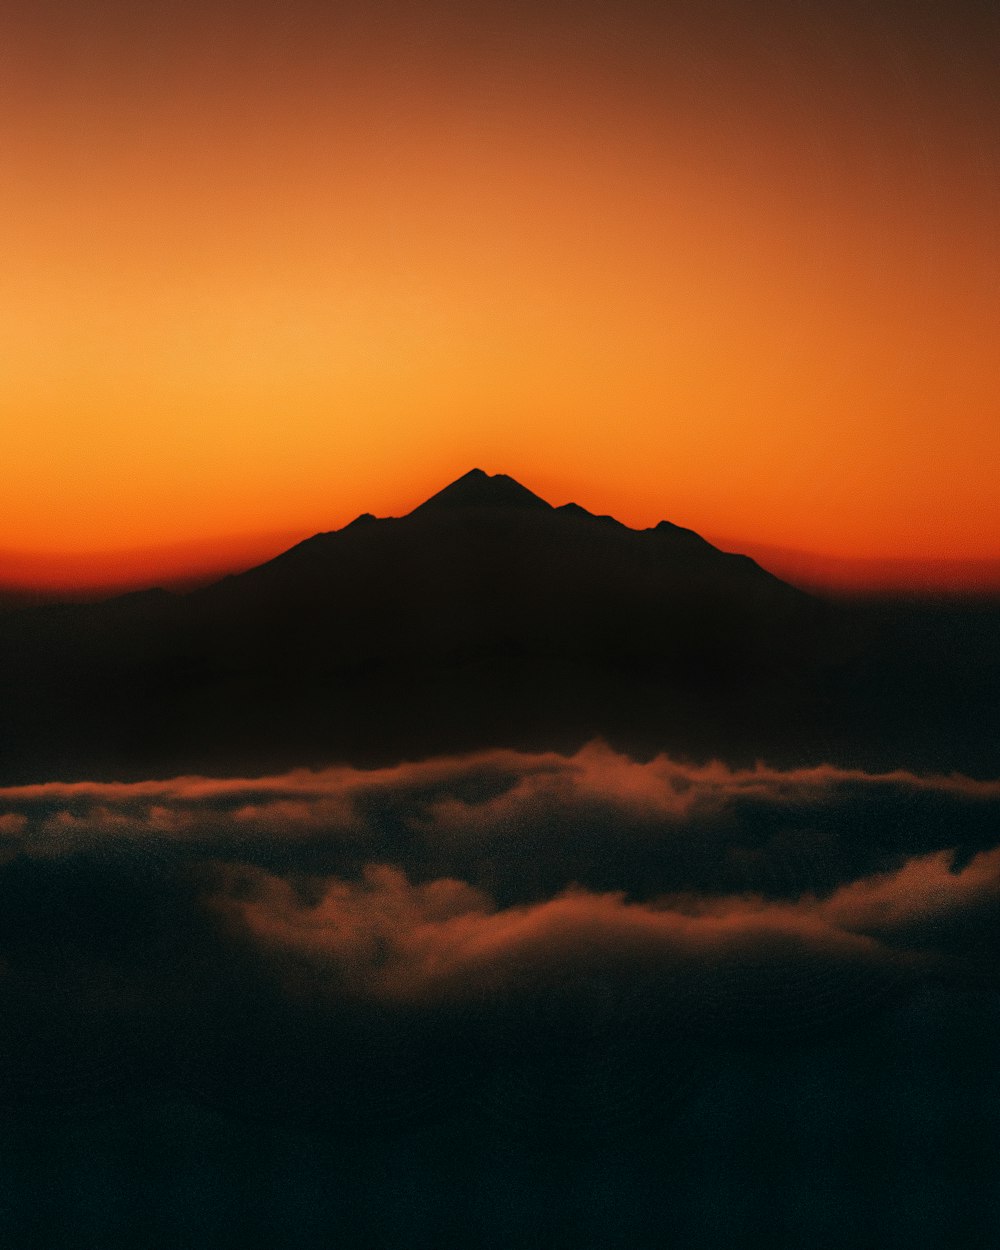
(484, 617)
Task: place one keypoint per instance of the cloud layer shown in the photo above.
(348, 945)
(522, 825)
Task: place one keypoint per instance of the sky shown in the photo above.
(728, 263)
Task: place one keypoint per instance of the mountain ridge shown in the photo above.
(484, 617)
(475, 496)
(477, 489)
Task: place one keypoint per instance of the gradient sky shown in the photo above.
(269, 266)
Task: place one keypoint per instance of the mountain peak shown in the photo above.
(477, 489)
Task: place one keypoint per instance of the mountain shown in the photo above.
(484, 617)
(477, 489)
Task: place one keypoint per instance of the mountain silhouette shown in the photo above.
(477, 489)
(487, 617)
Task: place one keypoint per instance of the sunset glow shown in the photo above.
(264, 274)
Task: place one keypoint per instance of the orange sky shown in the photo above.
(266, 269)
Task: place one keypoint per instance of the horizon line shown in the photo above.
(183, 564)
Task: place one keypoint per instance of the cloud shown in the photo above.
(322, 942)
(924, 890)
(755, 961)
(523, 826)
(399, 937)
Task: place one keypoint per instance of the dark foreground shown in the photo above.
(499, 876)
